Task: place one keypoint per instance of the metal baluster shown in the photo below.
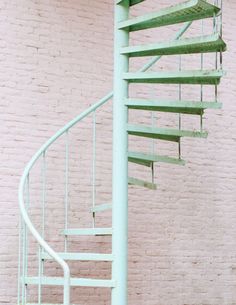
(180, 98)
(41, 262)
(25, 247)
(215, 19)
(19, 262)
(23, 293)
(221, 31)
(201, 94)
(215, 29)
(94, 167)
(40, 271)
(66, 185)
(153, 118)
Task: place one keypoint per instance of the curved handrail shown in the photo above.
(23, 180)
(42, 150)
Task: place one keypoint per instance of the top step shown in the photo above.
(183, 12)
(131, 2)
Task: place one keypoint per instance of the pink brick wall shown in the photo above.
(56, 59)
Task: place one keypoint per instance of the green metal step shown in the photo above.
(183, 12)
(203, 44)
(101, 207)
(207, 77)
(163, 133)
(75, 282)
(90, 231)
(186, 107)
(149, 159)
(132, 2)
(139, 182)
(80, 256)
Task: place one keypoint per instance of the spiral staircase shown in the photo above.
(185, 13)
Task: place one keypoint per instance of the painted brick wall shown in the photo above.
(57, 59)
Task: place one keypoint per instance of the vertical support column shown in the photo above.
(120, 160)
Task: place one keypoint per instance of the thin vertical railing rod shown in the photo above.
(94, 166)
(40, 271)
(153, 118)
(221, 30)
(19, 261)
(201, 90)
(25, 247)
(180, 98)
(23, 264)
(40, 260)
(66, 186)
(216, 29)
(43, 191)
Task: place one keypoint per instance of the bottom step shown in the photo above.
(139, 182)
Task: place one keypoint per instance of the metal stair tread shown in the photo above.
(207, 77)
(202, 44)
(59, 281)
(80, 256)
(166, 134)
(186, 107)
(143, 183)
(149, 159)
(88, 231)
(183, 12)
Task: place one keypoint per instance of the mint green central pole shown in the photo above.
(120, 161)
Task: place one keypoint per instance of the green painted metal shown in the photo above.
(88, 231)
(206, 44)
(81, 256)
(26, 222)
(142, 183)
(66, 191)
(131, 2)
(163, 133)
(134, 2)
(94, 166)
(74, 282)
(207, 77)
(102, 207)
(120, 162)
(149, 159)
(191, 10)
(187, 11)
(23, 205)
(187, 107)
